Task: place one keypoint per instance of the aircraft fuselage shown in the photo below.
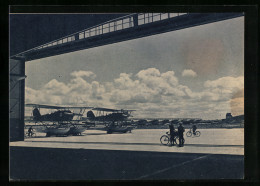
(60, 115)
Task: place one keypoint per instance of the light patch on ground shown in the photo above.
(211, 141)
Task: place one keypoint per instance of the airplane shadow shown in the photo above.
(27, 138)
(152, 144)
(89, 134)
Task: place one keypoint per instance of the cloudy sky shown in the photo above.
(196, 72)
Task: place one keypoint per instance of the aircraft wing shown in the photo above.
(105, 109)
(72, 107)
(56, 107)
(129, 110)
(43, 106)
(111, 110)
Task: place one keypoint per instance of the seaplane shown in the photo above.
(61, 122)
(111, 120)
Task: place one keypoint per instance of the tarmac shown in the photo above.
(211, 141)
(216, 154)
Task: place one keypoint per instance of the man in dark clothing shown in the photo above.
(172, 131)
(194, 128)
(30, 131)
(180, 133)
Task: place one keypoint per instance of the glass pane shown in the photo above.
(126, 20)
(140, 16)
(141, 21)
(111, 24)
(112, 28)
(126, 25)
(156, 14)
(147, 20)
(173, 14)
(105, 30)
(98, 31)
(119, 27)
(81, 35)
(65, 40)
(86, 34)
(105, 26)
(92, 33)
(164, 16)
(156, 18)
(119, 22)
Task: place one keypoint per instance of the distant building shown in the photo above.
(234, 119)
(239, 118)
(228, 116)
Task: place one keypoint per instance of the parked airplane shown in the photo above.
(113, 120)
(59, 122)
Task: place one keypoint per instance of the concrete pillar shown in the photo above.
(16, 99)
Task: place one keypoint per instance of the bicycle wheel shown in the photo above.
(197, 134)
(165, 140)
(189, 134)
(33, 135)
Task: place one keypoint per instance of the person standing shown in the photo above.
(172, 132)
(30, 131)
(194, 128)
(180, 133)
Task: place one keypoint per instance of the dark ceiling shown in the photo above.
(30, 30)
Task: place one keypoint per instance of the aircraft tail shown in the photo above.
(36, 114)
(90, 114)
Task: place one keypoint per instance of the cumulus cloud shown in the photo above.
(97, 90)
(226, 86)
(55, 87)
(189, 73)
(82, 73)
(152, 92)
(125, 82)
(226, 82)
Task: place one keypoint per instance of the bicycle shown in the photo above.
(165, 139)
(33, 134)
(190, 133)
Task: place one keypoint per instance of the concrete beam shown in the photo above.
(16, 100)
(138, 31)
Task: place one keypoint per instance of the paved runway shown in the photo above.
(212, 141)
(216, 154)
